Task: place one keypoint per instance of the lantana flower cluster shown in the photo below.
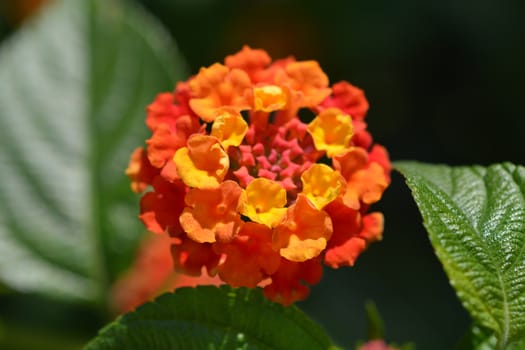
(261, 171)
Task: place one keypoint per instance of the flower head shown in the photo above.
(242, 184)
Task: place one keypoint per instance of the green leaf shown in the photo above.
(74, 84)
(480, 339)
(475, 217)
(375, 325)
(209, 317)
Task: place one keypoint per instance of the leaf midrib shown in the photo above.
(101, 145)
(502, 342)
(19, 87)
(100, 269)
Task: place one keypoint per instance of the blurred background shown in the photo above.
(444, 80)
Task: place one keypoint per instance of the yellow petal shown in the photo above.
(263, 202)
(331, 131)
(229, 128)
(203, 163)
(269, 98)
(322, 184)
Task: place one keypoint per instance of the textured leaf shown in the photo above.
(209, 317)
(476, 220)
(73, 87)
(480, 339)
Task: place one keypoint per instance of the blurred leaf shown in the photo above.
(22, 338)
(209, 317)
(375, 326)
(476, 220)
(405, 346)
(74, 84)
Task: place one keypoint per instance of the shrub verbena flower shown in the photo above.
(260, 171)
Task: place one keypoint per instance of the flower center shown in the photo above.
(276, 153)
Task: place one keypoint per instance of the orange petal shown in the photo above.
(372, 227)
(350, 162)
(212, 214)
(366, 181)
(379, 155)
(160, 209)
(303, 233)
(140, 171)
(249, 256)
(365, 185)
(182, 280)
(288, 282)
(252, 61)
(345, 254)
(217, 87)
(163, 110)
(169, 172)
(308, 80)
(162, 145)
(348, 98)
(203, 163)
(345, 245)
(189, 257)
